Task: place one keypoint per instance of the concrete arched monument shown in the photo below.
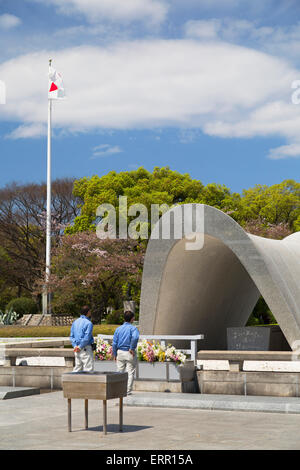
(215, 282)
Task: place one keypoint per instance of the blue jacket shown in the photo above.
(125, 337)
(81, 332)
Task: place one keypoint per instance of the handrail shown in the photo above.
(192, 338)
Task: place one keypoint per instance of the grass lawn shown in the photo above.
(49, 331)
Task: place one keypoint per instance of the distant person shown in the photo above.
(124, 345)
(82, 339)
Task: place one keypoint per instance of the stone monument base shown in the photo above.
(275, 384)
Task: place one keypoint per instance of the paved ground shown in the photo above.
(40, 422)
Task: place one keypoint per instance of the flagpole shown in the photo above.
(47, 302)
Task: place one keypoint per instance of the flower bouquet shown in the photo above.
(104, 351)
(174, 355)
(155, 352)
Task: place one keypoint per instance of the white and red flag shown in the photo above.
(56, 89)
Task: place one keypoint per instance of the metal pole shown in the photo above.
(46, 297)
(86, 405)
(121, 414)
(104, 417)
(69, 415)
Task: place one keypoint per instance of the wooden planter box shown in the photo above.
(95, 386)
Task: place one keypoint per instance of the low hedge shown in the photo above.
(23, 306)
(49, 331)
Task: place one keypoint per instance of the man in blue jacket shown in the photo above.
(82, 339)
(124, 345)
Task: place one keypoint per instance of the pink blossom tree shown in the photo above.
(89, 270)
(262, 228)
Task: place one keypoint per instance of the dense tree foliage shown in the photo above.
(103, 273)
(266, 205)
(163, 186)
(277, 204)
(22, 232)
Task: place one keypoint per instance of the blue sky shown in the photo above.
(204, 86)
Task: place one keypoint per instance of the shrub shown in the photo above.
(8, 318)
(22, 306)
(261, 314)
(7, 294)
(115, 318)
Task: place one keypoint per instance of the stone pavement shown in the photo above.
(39, 422)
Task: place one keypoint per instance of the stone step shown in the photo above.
(35, 320)
(16, 392)
(45, 320)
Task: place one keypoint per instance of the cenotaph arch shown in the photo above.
(215, 283)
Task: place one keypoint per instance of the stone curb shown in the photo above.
(216, 402)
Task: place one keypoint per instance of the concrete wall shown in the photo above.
(49, 378)
(278, 384)
(33, 376)
(208, 382)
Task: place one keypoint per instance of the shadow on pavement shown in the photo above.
(115, 428)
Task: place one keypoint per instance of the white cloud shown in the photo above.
(95, 11)
(285, 151)
(188, 136)
(203, 29)
(104, 150)
(8, 21)
(220, 88)
(28, 131)
(277, 119)
(281, 41)
(229, 29)
(2, 92)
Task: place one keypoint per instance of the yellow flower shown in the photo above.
(161, 356)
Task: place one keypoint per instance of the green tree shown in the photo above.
(163, 186)
(275, 204)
